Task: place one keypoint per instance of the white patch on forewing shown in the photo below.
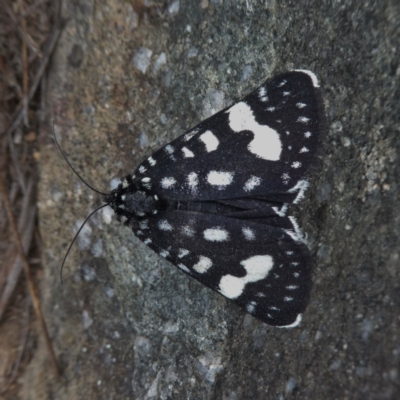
(304, 150)
(271, 109)
(248, 233)
(142, 169)
(266, 143)
(292, 287)
(164, 253)
(300, 187)
(296, 164)
(188, 230)
(216, 234)
(282, 83)
(251, 307)
(203, 265)
(187, 153)
(303, 120)
(294, 324)
(210, 140)
(147, 241)
(144, 224)
(252, 183)
(193, 180)
(184, 268)
(220, 178)
(311, 75)
(164, 225)
(307, 134)
(286, 93)
(169, 149)
(262, 94)
(287, 298)
(296, 274)
(257, 268)
(152, 161)
(300, 105)
(286, 178)
(167, 183)
(182, 253)
(189, 135)
(145, 180)
(281, 212)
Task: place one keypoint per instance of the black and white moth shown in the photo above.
(213, 202)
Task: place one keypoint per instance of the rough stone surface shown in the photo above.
(126, 324)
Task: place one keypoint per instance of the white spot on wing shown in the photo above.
(282, 211)
(294, 324)
(168, 183)
(311, 75)
(164, 225)
(251, 307)
(257, 268)
(296, 164)
(266, 143)
(189, 135)
(300, 187)
(142, 169)
(210, 140)
(287, 298)
(252, 183)
(216, 234)
(187, 153)
(203, 265)
(147, 241)
(169, 149)
(307, 134)
(184, 268)
(188, 231)
(304, 150)
(303, 120)
(248, 233)
(145, 180)
(300, 105)
(295, 234)
(193, 180)
(152, 161)
(220, 178)
(262, 94)
(144, 224)
(182, 253)
(286, 178)
(164, 253)
(292, 287)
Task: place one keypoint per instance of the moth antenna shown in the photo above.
(73, 169)
(76, 235)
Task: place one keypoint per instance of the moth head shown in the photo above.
(132, 202)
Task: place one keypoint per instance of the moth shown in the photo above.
(214, 201)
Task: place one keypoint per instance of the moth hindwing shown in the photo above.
(213, 202)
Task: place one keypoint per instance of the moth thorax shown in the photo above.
(140, 203)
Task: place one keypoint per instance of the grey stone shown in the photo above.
(177, 339)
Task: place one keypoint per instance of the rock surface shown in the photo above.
(126, 324)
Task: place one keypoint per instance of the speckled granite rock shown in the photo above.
(126, 324)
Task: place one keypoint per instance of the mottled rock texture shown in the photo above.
(126, 324)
